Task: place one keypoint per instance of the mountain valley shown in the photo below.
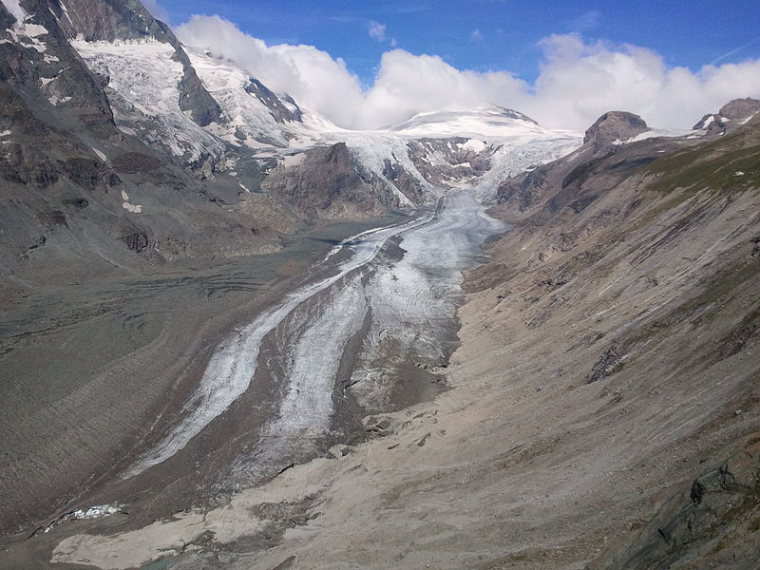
(236, 335)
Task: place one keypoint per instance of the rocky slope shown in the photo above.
(152, 197)
(605, 394)
(603, 408)
(629, 288)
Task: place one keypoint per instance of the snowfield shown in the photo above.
(144, 92)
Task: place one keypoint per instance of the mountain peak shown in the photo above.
(731, 115)
(488, 121)
(614, 126)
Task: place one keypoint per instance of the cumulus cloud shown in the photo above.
(577, 82)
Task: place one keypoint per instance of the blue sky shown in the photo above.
(367, 65)
(487, 35)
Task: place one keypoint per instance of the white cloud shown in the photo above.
(377, 30)
(578, 81)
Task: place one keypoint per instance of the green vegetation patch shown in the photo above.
(715, 166)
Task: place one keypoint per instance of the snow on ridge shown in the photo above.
(249, 120)
(144, 89)
(484, 121)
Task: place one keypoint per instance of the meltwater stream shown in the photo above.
(397, 292)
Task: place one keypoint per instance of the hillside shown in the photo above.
(602, 409)
(183, 246)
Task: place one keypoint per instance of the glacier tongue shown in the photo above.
(402, 301)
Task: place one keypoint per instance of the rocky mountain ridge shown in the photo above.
(730, 117)
(151, 105)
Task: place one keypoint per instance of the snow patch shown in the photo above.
(290, 160)
(101, 156)
(34, 30)
(5, 133)
(55, 100)
(244, 187)
(132, 208)
(474, 145)
(96, 512)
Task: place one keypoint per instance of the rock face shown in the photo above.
(731, 116)
(614, 126)
(324, 182)
(711, 523)
(450, 160)
(111, 20)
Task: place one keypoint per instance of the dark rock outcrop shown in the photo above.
(730, 116)
(453, 161)
(612, 127)
(279, 111)
(715, 523)
(326, 183)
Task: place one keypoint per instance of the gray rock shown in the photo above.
(731, 116)
(614, 126)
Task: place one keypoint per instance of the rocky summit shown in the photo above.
(237, 336)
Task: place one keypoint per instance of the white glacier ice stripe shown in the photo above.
(414, 300)
(307, 407)
(233, 364)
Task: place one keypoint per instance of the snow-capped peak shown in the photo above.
(487, 121)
